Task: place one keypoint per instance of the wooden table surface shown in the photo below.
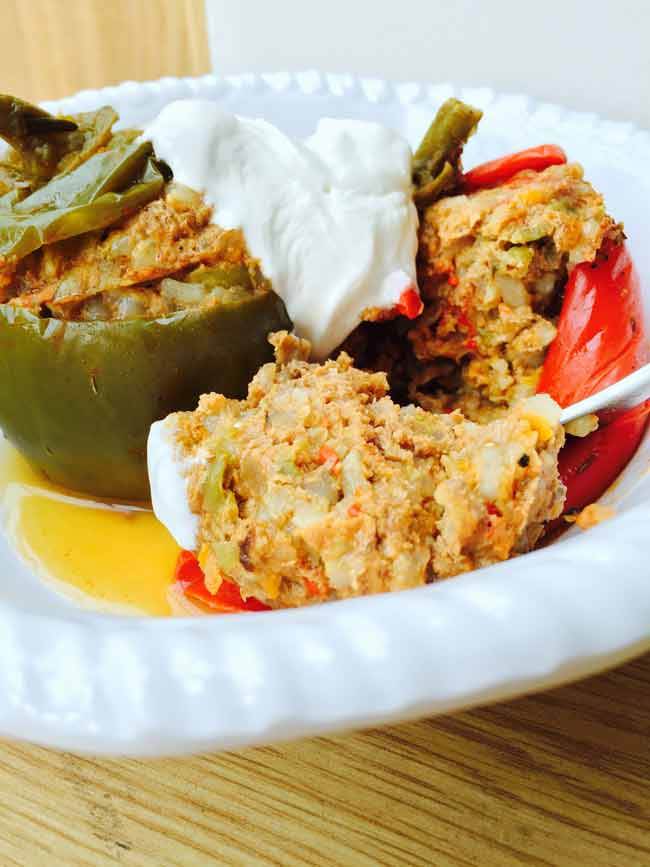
(560, 778)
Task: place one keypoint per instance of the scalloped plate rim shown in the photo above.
(113, 709)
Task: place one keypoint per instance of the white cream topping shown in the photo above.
(168, 471)
(330, 218)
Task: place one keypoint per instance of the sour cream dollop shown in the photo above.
(330, 218)
(168, 470)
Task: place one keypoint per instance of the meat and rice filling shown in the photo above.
(318, 486)
(492, 266)
(166, 257)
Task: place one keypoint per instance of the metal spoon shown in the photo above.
(624, 394)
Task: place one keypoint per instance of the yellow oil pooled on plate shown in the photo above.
(109, 557)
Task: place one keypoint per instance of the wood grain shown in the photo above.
(52, 48)
(555, 779)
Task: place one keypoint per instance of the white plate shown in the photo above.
(120, 685)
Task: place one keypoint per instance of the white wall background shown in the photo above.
(592, 55)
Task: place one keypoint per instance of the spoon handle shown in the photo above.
(624, 394)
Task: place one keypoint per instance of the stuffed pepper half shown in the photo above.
(120, 299)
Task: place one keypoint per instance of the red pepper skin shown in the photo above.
(499, 171)
(227, 599)
(187, 569)
(589, 465)
(601, 338)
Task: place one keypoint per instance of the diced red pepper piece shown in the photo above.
(312, 587)
(498, 171)
(329, 458)
(464, 320)
(410, 304)
(187, 569)
(327, 454)
(227, 599)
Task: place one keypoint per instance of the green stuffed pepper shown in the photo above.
(120, 300)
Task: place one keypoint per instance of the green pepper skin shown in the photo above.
(44, 145)
(78, 398)
(82, 201)
(23, 124)
(107, 172)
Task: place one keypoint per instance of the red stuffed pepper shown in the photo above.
(601, 338)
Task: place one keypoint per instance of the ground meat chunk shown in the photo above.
(318, 486)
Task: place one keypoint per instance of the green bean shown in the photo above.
(443, 182)
(436, 162)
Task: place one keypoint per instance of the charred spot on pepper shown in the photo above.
(164, 169)
(588, 461)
